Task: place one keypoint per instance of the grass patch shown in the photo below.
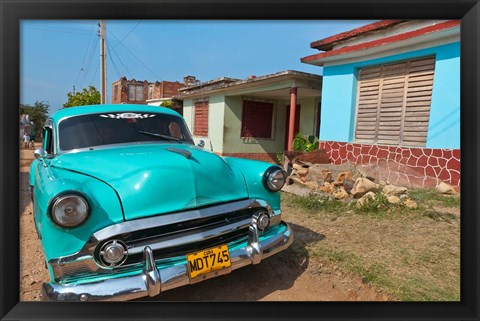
(431, 197)
(317, 203)
(399, 286)
(410, 254)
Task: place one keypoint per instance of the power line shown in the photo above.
(119, 59)
(85, 54)
(148, 68)
(113, 63)
(94, 47)
(128, 34)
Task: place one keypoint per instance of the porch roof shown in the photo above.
(275, 86)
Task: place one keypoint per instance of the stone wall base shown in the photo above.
(410, 167)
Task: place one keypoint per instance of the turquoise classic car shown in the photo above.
(127, 206)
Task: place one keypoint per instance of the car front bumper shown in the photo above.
(153, 280)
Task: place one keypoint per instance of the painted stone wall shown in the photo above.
(412, 167)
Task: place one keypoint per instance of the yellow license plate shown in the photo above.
(209, 260)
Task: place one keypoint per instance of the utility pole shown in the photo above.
(103, 63)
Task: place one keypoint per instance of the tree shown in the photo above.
(167, 103)
(37, 113)
(89, 96)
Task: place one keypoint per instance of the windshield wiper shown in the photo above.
(161, 136)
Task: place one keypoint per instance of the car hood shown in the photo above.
(152, 179)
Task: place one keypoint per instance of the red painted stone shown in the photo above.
(447, 153)
(382, 153)
(412, 161)
(357, 150)
(364, 149)
(455, 178)
(350, 147)
(444, 175)
(427, 151)
(373, 150)
(453, 164)
(422, 161)
(442, 162)
(417, 152)
(406, 152)
(335, 154)
(430, 172)
(437, 153)
(432, 161)
(456, 153)
(343, 152)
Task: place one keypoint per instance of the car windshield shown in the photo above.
(125, 127)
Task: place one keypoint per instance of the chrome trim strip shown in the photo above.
(153, 281)
(84, 262)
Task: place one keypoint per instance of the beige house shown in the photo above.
(255, 117)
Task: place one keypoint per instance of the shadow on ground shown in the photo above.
(24, 193)
(253, 282)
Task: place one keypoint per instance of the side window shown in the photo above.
(47, 140)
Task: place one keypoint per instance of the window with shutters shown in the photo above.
(135, 92)
(200, 125)
(393, 103)
(257, 119)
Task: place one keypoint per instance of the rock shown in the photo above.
(312, 185)
(319, 175)
(365, 199)
(410, 204)
(392, 199)
(403, 196)
(329, 188)
(394, 190)
(370, 178)
(348, 184)
(444, 188)
(363, 186)
(341, 177)
(340, 193)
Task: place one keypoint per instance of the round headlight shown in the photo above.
(274, 179)
(69, 210)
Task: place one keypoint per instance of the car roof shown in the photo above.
(109, 108)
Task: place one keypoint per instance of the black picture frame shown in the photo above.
(12, 12)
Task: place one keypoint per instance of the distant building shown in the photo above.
(125, 91)
(391, 99)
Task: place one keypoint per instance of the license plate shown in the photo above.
(209, 260)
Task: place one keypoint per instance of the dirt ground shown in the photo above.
(288, 276)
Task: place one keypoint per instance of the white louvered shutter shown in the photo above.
(393, 103)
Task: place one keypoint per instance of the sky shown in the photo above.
(57, 56)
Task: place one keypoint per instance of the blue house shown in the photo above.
(391, 100)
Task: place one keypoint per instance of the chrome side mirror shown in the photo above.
(201, 143)
(40, 154)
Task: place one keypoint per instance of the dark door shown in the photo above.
(297, 124)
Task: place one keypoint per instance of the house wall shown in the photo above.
(340, 89)
(438, 161)
(216, 111)
(308, 114)
(232, 141)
